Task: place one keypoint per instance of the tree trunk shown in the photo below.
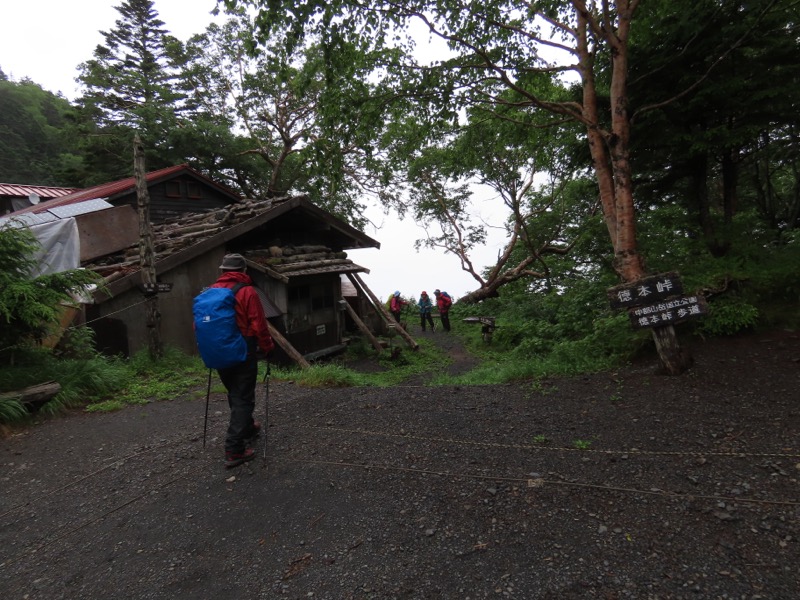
(610, 151)
(146, 252)
(730, 186)
(674, 359)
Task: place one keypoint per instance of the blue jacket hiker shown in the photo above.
(425, 307)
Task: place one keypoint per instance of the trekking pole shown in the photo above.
(266, 410)
(205, 422)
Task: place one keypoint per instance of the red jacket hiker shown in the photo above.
(443, 303)
(240, 379)
(249, 311)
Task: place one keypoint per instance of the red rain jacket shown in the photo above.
(249, 311)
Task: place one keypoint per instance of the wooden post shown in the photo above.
(363, 327)
(287, 347)
(380, 309)
(146, 251)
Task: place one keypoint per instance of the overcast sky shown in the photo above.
(46, 40)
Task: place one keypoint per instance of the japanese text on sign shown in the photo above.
(156, 288)
(673, 311)
(645, 291)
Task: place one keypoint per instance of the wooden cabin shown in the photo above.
(296, 255)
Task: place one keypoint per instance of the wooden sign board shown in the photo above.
(646, 291)
(668, 312)
(156, 288)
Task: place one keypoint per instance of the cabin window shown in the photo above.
(322, 298)
(173, 189)
(314, 297)
(301, 292)
(193, 189)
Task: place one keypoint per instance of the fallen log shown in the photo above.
(35, 396)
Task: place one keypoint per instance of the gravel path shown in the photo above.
(615, 485)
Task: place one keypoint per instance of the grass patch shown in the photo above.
(336, 373)
(153, 380)
(11, 410)
(106, 406)
(98, 383)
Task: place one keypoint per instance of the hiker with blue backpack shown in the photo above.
(230, 327)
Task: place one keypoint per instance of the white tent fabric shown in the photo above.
(60, 246)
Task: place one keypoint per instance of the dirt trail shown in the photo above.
(623, 484)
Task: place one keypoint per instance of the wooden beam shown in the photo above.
(381, 309)
(287, 347)
(67, 314)
(363, 327)
(251, 264)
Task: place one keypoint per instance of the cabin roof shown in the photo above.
(180, 240)
(123, 187)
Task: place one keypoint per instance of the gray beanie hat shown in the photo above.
(233, 262)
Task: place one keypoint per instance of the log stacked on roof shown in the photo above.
(176, 234)
(288, 259)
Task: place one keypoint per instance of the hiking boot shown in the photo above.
(234, 459)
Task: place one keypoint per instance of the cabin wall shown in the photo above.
(119, 322)
(173, 197)
(314, 318)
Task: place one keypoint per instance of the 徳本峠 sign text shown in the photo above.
(656, 301)
(645, 291)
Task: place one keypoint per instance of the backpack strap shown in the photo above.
(235, 289)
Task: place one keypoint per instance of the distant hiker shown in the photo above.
(396, 305)
(443, 303)
(240, 379)
(425, 306)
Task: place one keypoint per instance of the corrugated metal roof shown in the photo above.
(43, 191)
(115, 188)
(107, 190)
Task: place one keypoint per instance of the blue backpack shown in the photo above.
(219, 340)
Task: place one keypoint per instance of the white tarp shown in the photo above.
(61, 246)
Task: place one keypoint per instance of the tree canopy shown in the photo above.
(131, 84)
(34, 145)
(613, 138)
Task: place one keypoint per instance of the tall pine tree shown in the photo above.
(131, 85)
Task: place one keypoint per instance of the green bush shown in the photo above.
(30, 305)
(12, 411)
(728, 316)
